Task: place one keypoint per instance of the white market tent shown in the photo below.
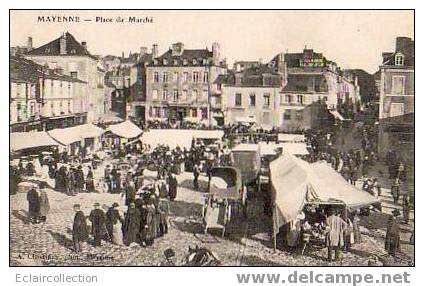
(126, 129)
(74, 134)
(245, 119)
(283, 137)
(178, 137)
(294, 148)
(27, 140)
(295, 182)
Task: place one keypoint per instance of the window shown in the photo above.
(326, 98)
(165, 77)
(18, 89)
(287, 114)
(165, 62)
(205, 77)
(238, 99)
(299, 115)
(398, 85)
(176, 95)
(399, 59)
(185, 62)
(267, 101)
(195, 93)
(69, 106)
(185, 94)
(175, 62)
(155, 77)
(287, 98)
(165, 94)
(185, 76)
(300, 98)
(396, 109)
(194, 112)
(252, 99)
(74, 74)
(175, 76)
(195, 77)
(219, 87)
(155, 94)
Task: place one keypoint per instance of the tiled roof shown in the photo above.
(22, 69)
(404, 46)
(73, 48)
(260, 76)
(300, 83)
(188, 55)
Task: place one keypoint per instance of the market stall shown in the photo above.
(296, 183)
(124, 132)
(21, 141)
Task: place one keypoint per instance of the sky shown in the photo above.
(353, 39)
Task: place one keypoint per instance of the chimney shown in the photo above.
(62, 44)
(215, 53)
(177, 49)
(84, 45)
(29, 43)
(403, 44)
(282, 69)
(123, 55)
(238, 79)
(155, 51)
(143, 51)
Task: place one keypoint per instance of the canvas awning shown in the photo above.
(295, 182)
(27, 140)
(126, 129)
(282, 137)
(178, 137)
(294, 148)
(74, 134)
(245, 119)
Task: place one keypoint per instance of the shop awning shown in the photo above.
(245, 119)
(27, 140)
(74, 134)
(178, 137)
(282, 137)
(296, 182)
(126, 129)
(336, 115)
(294, 148)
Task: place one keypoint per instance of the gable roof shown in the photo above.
(73, 48)
(25, 70)
(188, 55)
(259, 76)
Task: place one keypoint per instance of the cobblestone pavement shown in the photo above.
(247, 242)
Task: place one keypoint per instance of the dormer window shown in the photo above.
(399, 60)
(165, 62)
(175, 62)
(205, 61)
(155, 61)
(47, 50)
(185, 62)
(194, 61)
(73, 51)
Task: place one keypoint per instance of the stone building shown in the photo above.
(179, 83)
(42, 98)
(397, 97)
(74, 59)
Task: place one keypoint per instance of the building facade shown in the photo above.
(74, 59)
(396, 101)
(42, 98)
(179, 83)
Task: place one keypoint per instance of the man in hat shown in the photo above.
(392, 242)
(97, 218)
(34, 203)
(89, 185)
(335, 235)
(406, 207)
(131, 225)
(196, 174)
(112, 219)
(79, 228)
(163, 210)
(396, 190)
(173, 186)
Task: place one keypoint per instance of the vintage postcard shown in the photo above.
(212, 138)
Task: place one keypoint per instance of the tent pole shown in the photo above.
(274, 235)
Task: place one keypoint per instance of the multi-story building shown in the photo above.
(250, 96)
(310, 78)
(397, 96)
(42, 98)
(179, 83)
(74, 59)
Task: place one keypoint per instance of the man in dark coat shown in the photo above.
(196, 173)
(79, 229)
(112, 219)
(392, 243)
(98, 219)
(173, 185)
(89, 185)
(33, 205)
(131, 226)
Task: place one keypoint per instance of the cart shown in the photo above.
(222, 198)
(247, 158)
